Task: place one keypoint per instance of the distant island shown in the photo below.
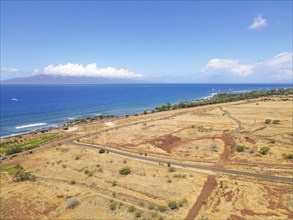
(54, 79)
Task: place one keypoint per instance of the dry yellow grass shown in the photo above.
(205, 134)
(71, 171)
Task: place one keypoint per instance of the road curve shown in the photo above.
(182, 165)
(240, 128)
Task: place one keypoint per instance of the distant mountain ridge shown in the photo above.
(53, 79)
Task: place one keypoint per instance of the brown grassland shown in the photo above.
(76, 181)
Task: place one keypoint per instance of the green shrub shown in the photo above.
(264, 150)
(113, 206)
(173, 205)
(72, 182)
(21, 176)
(151, 207)
(162, 208)
(88, 172)
(114, 183)
(101, 151)
(172, 169)
(288, 156)
(268, 121)
(138, 213)
(13, 150)
(131, 209)
(125, 170)
(240, 148)
(275, 122)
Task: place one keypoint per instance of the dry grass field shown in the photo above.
(77, 182)
(77, 172)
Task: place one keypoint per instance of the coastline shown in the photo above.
(207, 100)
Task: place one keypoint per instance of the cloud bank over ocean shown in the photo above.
(90, 70)
(278, 68)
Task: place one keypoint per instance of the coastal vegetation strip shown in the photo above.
(12, 147)
(88, 119)
(224, 98)
(216, 99)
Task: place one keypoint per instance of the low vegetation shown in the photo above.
(16, 146)
(113, 205)
(179, 176)
(268, 121)
(138, 213)
(23, 175)
(264, 150)
(173, 205)
(114, 183)
(171, 169)
(125, 170)
(276, 122)
(101, 151)
(288, 156)
(131, 209)
(89, 119)
(240, 148)
(12, 170)
(72, 202)
(19, 174)
(223, 98)
(162, 208)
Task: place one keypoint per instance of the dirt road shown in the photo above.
(183, 165)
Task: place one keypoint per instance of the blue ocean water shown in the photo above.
(28, 107)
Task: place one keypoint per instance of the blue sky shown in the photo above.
(166, 41)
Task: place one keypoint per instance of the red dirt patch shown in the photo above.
(274, 196)
(235, 217)
(252, 213)
(228, 196)
(167, 142)
(229, 146)
(206, 191)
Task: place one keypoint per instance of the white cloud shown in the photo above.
(278, 67)
(9, 70)
(280, 59)
(90, 70)
(258, 23)
(234, 66)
